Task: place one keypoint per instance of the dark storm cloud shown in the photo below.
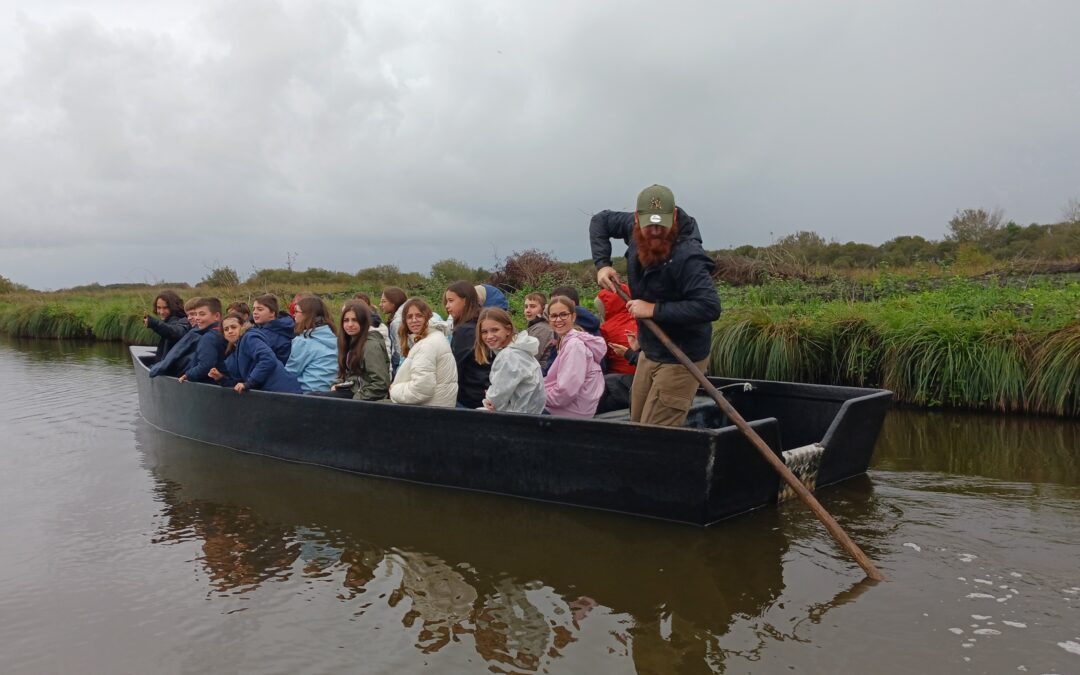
(366, 133)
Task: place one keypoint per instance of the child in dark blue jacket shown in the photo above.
(250, 363)
(277, 328)
(179, 356)
(210, 350)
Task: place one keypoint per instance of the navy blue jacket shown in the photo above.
(495, 298)
(256, 365)
(209, 353)
(589, 322)
(682, 287)
(177, 359)
(279, 335)
(472, 378)
(170, 330)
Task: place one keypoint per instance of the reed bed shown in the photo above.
(963, 346)
(74, 320)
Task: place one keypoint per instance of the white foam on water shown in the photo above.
(1014, 591)
(914, 547)
(974, 625)
(1071, 591)
(1017, 575)
(957, 631)
(979, 595)
(1003, 599)
(1015, 624)
(967, 557)
(980, 617)
(1022, 669)
(1004, 587)
(967, 645)
(1070, 646)
(987, 631)
(983, 581)
(961, 579)
(967, 658)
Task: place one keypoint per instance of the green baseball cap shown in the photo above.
(655, 206)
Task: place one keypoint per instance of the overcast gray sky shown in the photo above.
(142, 141)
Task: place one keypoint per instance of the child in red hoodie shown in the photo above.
(618, 325)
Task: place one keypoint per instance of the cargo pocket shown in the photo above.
(670, 409)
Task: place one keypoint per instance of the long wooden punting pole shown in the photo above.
(793, 482)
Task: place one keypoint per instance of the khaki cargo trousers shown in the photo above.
(662, 392)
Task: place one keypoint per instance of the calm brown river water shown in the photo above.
(126, 550)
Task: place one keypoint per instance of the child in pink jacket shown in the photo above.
(575, 382)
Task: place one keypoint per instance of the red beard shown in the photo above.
(655, 250)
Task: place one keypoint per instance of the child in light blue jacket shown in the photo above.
(313, 359)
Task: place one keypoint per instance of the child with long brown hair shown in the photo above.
(363, 362)
(168, 320)
(463, 306)
(428, 375)
(517, 385)
(313, 357)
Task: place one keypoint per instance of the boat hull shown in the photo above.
(691, 475)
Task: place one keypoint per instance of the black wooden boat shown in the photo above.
(699, 474)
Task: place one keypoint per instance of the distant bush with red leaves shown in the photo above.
(529, 269)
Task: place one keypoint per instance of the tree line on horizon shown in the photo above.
(976, 238)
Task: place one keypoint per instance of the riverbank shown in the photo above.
(957, 343)
(963, 344)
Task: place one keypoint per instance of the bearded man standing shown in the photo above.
(671, 283)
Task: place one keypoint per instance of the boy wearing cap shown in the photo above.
(671, 283)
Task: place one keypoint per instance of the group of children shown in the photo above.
(475, 358)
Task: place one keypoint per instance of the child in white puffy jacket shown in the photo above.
(428, 375)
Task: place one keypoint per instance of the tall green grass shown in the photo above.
(120, 322)
(1055, 373)
(51, 320)
(965, 346)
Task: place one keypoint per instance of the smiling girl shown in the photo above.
(517, 384)
(169, 321)
(575, 382)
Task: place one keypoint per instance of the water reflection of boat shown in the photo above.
(698, 474)
(519, 579)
